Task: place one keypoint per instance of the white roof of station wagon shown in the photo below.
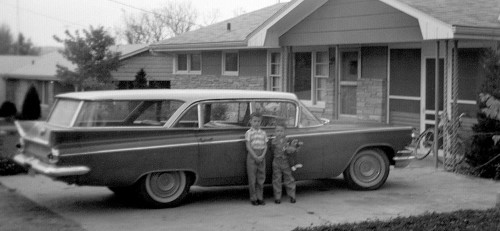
(188, 95)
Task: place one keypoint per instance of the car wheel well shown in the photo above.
(191, 177)
(388, 151)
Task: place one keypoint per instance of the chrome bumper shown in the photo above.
(403, 158)
(49, 170)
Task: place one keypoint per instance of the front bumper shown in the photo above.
(49, 170)
(403, 158)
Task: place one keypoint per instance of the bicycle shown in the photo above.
(424, 145)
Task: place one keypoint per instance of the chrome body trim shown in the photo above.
(403, 158)
(130, 149)
(223, 141)
(49, 170)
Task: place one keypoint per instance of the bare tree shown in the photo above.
(172, 19)
(238, 11)
(211, 17)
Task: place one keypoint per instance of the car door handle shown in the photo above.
(206, 139)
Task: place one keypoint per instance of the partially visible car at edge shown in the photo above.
(157, 143)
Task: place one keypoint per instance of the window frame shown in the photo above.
(270, 75)
(315, 77)
(230, 73)
(189, 61)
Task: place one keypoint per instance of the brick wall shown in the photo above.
(371, 99)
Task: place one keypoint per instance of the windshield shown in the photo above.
(307, 118)
(63, 112)
(112, 113)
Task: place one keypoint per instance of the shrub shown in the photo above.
(31, 106)
(8, 110)
(8, 167)
(483, 147)
(140, 81)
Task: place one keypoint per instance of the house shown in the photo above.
(136, 57)
(9, 63)
(40, 71)
(362, 60)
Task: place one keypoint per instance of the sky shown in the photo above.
(39, 20)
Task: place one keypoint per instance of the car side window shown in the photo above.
(188, 119)
(225, 114)
(274, 112)
(307, 119)
(156, 113)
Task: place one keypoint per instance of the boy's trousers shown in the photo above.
(281, 169)
(256, 176)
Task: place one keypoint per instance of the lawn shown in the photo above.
(473, 220)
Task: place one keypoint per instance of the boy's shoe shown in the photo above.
(254, 202)
(261, 202)
(277, 201)
(292, 200)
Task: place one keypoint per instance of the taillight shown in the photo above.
(20, 146)
(53, 156)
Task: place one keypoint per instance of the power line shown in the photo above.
(133, 7)
(152, 12)
(43, 15)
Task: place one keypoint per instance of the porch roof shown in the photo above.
(453, 19)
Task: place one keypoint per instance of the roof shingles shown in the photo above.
(241, 27)
(477, 13)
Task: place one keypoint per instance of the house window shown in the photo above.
(311, 75)
(274, 71)
(320, 76)
(187, 64)
(43, 90)
(230, 63)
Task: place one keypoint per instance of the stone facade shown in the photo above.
(218, 82)
(371, 98)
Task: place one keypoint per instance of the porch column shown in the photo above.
(336, 83)
(436, 105)
(447, 78)
(288, 69)
(454, 105)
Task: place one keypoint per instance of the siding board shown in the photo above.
(253, 63)
(379, 35)
(156, 67)
(350, 22)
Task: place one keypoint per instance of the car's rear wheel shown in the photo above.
(163, 189)
(368, 170)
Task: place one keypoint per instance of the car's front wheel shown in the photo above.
(368, 170)
(163, 189)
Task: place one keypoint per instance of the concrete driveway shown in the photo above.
(413, 190)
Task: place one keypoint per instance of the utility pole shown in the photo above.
(18, 28)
